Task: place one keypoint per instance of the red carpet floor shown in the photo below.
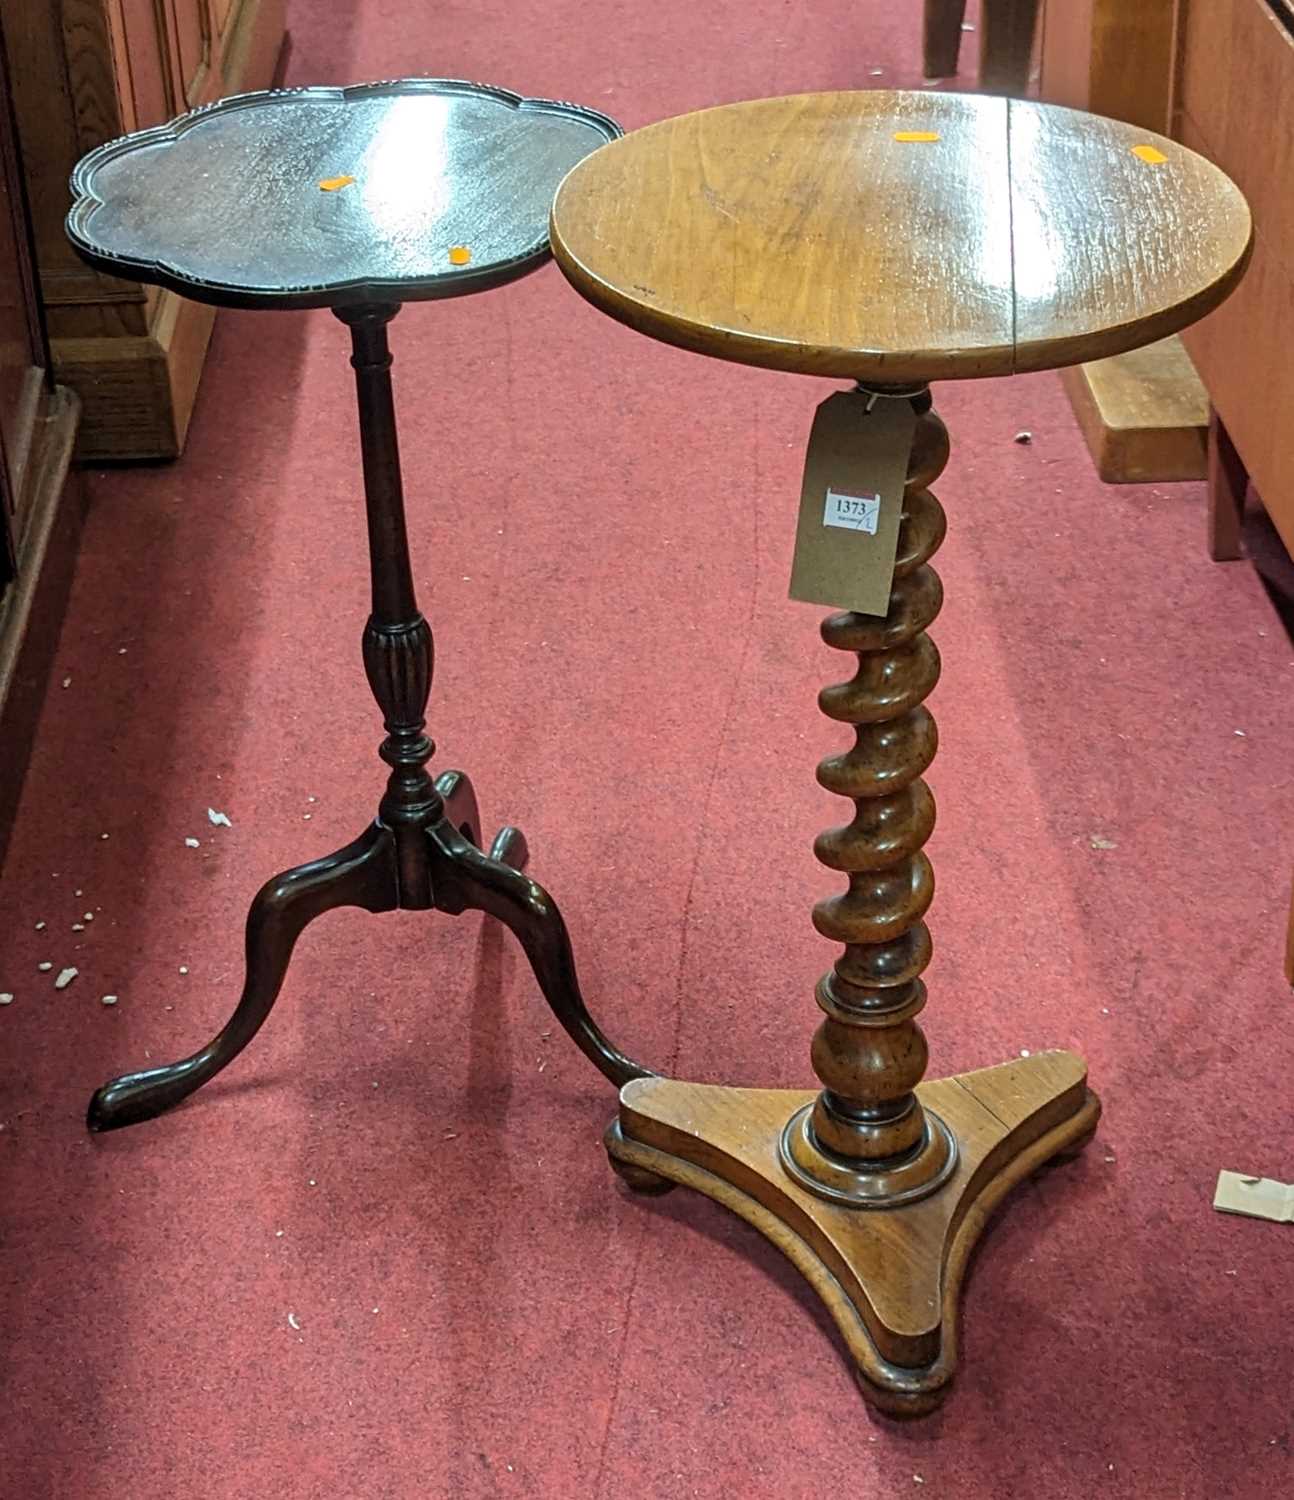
(407, 1163)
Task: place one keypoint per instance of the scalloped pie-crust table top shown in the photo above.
(331, 197)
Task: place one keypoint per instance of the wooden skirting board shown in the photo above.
(1144, 415)
(138, 392)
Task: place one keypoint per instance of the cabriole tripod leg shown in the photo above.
(456, 792)
(362, 874)
(463, 878)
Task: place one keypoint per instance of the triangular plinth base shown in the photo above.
(890, 1277)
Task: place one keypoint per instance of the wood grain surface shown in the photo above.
(1112, 252)
(808, 234)
(891, 1280)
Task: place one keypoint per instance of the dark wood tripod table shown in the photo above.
(891, 239)
(355, 199)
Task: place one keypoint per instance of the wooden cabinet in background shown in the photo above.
(23, 376)
(39, 510)
(1113, 57)
(83, 72)
(1235, 101)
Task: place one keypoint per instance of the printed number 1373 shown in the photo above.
(852, 512)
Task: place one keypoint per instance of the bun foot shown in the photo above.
(637, 1179)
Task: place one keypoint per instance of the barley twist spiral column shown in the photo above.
(866, 1140)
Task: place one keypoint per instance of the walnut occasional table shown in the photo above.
(890, 239)
(355, 199)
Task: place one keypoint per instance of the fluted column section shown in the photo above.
(398, 648)
(866, 1140)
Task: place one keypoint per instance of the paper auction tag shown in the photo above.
(851, 502)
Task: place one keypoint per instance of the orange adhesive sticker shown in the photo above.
(335, 184)
(916, 135)
(1148, 153)
(459, 255)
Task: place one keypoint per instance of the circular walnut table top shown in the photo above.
(892, 236)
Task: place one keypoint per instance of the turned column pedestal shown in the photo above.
(891, 239)
(867, 1138)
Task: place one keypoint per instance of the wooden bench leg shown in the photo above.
(1006, 45)
(1228, 479)
(941, 38)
